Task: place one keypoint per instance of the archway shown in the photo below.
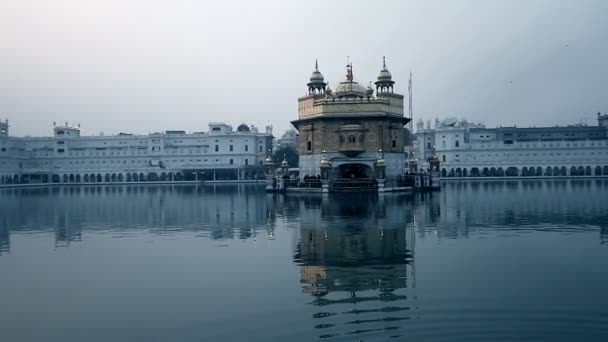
(500, 172)
(353, 171)
(451, 173)
(142, 177)
(524, 171)
(573, 171)
(120, 177)
(65, 178)
(152, 177)
(474, 172)
(86, 177)
(556, 171)
(350, 176)
(458, 172)
(107, 178)
(485, 172)
(598, 170)
(464, 172)
(128, 177)
(493, 172)
(539, 171)
(99, 178)
(512, 172)
(588, 171)
(135, 177)
(78, 178)
(163, 177)
(444, 172)
(71, 178)
(605, 170)
(581, 171)
(548, 171)
(113, 177)
(563, 171)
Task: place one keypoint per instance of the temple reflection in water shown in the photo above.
(355, 255)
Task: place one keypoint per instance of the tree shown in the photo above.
(288, 153)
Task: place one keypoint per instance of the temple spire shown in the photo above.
(349, 72)
(384, 62)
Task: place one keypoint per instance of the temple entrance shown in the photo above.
(354, 177)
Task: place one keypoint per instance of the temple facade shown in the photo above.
(351, 135)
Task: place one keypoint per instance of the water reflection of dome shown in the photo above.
(352, 252)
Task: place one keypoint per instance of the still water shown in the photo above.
(515, 260)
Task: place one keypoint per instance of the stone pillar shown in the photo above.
(269, 173)
(325, 174)
(380, 169)
(413, 165)
(434, 173)
(284, 167)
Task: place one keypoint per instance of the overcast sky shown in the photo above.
(146, 66)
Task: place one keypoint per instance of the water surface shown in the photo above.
(506, 260)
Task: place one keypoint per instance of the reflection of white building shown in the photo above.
(68, 157)
(472, 150)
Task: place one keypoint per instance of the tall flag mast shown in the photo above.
(411, 123)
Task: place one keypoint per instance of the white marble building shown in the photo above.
(472, 150)
(69, 157)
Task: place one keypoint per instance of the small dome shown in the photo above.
(316, 76)
(370, 90)
(385, 79)
(385, 75)
(242, 128)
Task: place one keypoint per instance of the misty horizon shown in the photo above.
(143, 67)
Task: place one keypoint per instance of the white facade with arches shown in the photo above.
(68, 157)
(471, 150)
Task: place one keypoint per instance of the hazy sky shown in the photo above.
(145, 66)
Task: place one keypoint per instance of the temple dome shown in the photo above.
(350, 88)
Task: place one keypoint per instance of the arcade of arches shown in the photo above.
(120, 177)
(530, 171)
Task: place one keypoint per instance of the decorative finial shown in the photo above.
(284, 156)
(384, 62)
(349, 72)
(316, 65)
